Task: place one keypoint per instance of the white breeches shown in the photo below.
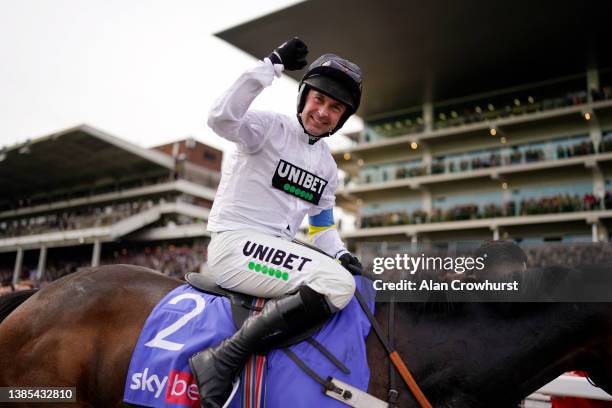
(265, 266)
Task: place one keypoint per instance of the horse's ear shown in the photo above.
(501, 259)
(600, 370)
(602, 379)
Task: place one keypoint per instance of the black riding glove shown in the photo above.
(292, 54)
(349, 260)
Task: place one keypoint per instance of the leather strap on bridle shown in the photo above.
(393, 394)
(394, 356)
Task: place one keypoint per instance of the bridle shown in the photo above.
(387, 343)
(396, 360)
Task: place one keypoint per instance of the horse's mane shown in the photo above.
(543, 281)
(437, 303)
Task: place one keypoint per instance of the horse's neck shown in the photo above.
(482, 354)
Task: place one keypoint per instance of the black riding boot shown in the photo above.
(215, 368)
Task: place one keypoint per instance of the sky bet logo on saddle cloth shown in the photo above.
(187, 320)
(298, 182)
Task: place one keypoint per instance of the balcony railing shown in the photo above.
(505, 156)
(561, 203)
(505, 107)
(539, 98)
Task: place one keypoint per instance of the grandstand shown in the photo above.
(483, 120)
(464, 139)
(82, 197)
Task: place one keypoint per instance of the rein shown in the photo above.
(394, 356)
(387, 344)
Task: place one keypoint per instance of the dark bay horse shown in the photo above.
(81, 329)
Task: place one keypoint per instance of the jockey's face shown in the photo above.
(321, 113)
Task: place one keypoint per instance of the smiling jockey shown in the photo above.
(279, 173)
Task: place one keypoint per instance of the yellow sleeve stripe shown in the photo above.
(312, 230)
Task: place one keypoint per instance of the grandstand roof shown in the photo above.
(79, 156)
(413, 51)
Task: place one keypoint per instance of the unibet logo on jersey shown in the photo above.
(298, 182)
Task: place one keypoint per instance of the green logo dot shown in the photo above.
(310, 197)
(285, 276)
(297, 191)
(258, 267)
(292, 189)
(279, 274)
(264, 269)
(271, 272)
(251, 265)
(286, 187)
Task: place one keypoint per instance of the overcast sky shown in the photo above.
(143, 70)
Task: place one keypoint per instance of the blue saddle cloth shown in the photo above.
(186, 321)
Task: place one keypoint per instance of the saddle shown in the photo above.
(242, 305)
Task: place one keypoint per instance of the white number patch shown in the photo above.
(159, 341)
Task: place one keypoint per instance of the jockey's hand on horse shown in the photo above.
(292, 54)
(351, 263)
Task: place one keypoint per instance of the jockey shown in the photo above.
(280, 172)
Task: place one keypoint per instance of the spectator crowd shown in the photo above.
(520, 154)
(548, 254)
(82, 217)
(171, 260)
(168, 259)
(559, 203)
(476, 111)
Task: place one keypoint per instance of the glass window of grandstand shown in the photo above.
(606, 142)
(528, 200)
(393, 213)
(605, 86)
(549, 199)
(394, 126)
(515, 102)
(555, 149)
(467, 206)
(392, 171)
(607, 204)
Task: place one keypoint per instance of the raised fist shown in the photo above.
(292, 54)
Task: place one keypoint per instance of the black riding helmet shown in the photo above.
(335, 77)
